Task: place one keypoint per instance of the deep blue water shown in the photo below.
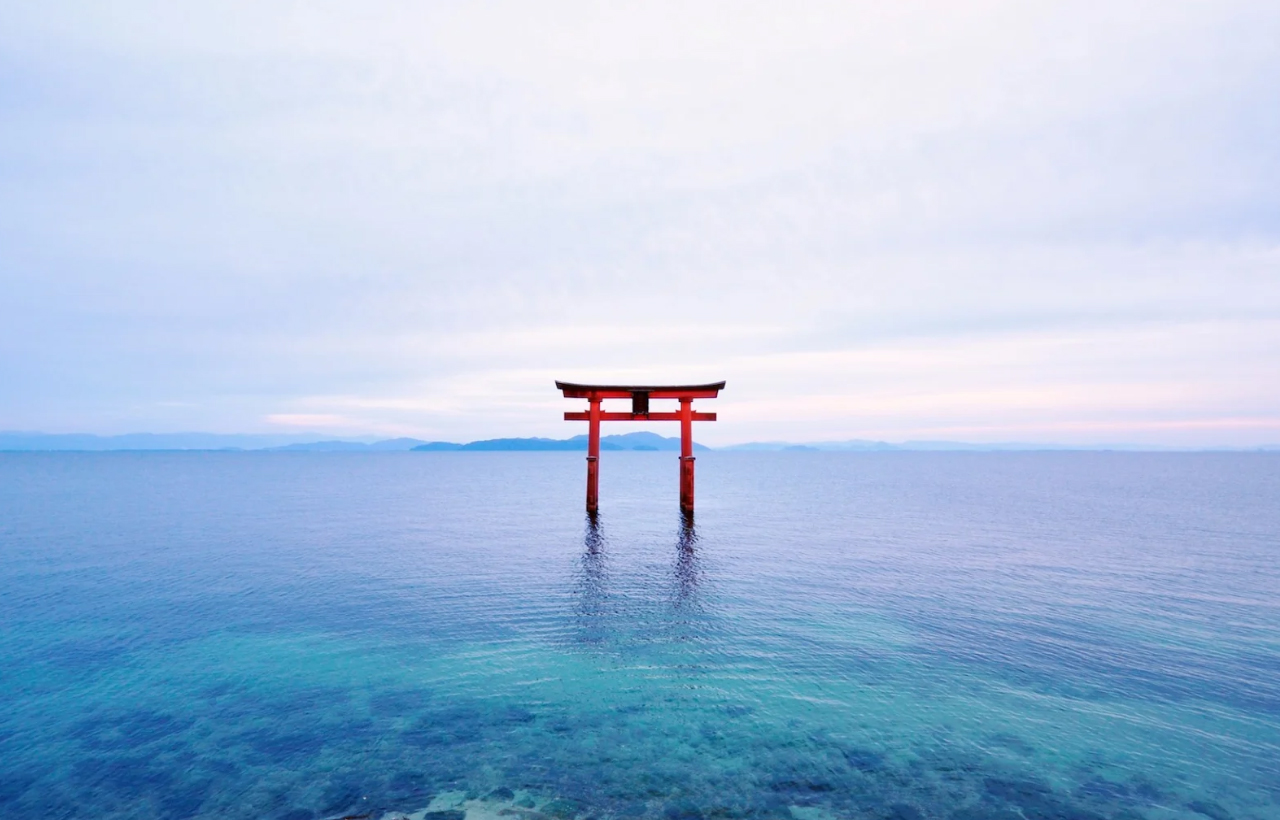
(891, 636)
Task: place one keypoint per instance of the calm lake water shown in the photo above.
(890, 636)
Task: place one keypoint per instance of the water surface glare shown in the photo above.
(1047, 636)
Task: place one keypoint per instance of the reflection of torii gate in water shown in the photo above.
(639, 395)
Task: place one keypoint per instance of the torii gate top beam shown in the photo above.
(621, 391)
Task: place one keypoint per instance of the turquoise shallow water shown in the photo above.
(890, 636)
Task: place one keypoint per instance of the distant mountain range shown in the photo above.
(626, 441)
(863, 446)
(80, 442)
(148, 441)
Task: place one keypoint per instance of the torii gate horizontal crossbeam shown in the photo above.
(604, 416)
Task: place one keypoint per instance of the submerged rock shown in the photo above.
(864, 760)
(1209, 809)
(683, 809)
(1101, 789)
(562, 808)
(984, 812)
(1036, 801)
(1015, 791)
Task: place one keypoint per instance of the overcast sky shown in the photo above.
(982, 221)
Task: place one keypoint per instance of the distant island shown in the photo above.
(638, 441)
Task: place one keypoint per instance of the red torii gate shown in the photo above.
(639, 395)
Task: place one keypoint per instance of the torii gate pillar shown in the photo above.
(686, 455)
(640, 396)
(593, 456)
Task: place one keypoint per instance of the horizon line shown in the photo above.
(299, 441)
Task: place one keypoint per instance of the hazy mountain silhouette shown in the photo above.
(639, 440)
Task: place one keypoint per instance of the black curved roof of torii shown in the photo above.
(577, 391)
